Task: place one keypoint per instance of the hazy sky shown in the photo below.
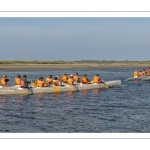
(75, 38)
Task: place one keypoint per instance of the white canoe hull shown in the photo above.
(146, 79)
(13, 90)
(135, 79)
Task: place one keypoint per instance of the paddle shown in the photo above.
(56, 88)
(105, 85)
(101, 82)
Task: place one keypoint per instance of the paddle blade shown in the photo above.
(56, 89)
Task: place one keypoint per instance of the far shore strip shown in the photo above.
(67, 66)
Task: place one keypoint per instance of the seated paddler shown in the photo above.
(56, 81)
(76, 78)
(4, 80)
(136, 74)
(97, 79)
(84, 79)
(40, 82)
(49, 80)
(64, 78)
(24, 83)
(18, 80)
(70, 80)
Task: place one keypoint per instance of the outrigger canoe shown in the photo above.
(16, 90)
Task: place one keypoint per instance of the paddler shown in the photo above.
(97, 79)
(18, 80)
(70, 80)
(24, 82)
(136, 74)
(76, 78)
(84, 79)
(4, 80)
(146, 73)
(64, 78)
(56, 81)
(143, 72)
(40, 82)
(49, 80)
(140, 74)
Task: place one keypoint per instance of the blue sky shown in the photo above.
(75, 38)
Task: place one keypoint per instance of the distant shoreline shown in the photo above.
(67, 66)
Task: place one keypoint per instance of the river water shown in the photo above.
(122, 109)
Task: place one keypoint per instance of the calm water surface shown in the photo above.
(122, 109)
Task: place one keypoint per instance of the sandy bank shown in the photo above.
(67, 66)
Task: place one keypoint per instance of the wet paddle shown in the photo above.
(105, 85)
(56, 88)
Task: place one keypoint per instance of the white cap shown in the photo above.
(71, 75)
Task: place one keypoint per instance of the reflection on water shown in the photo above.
(120, 109)
(96, 92)
(3, 101)
(56, 96)
(85, 93)
(40, 96)
(19, 99)
(70, 95)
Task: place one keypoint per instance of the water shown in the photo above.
(123, 109)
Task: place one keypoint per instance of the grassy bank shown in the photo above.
(21, 65)
(82, 62)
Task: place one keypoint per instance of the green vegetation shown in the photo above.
(33, 62)
(75, 62)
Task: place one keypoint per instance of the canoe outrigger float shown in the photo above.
(16, 90)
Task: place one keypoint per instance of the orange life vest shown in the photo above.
(40, 83)
(97, 79)
(48, 80)
(75, 78)
(135, 74)
(56, 82)
(70, 81)
(17, 81)
(3, 82)
(84, 80)
(64, 78)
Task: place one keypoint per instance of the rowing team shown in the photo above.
(141, 73)
(69, 80)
